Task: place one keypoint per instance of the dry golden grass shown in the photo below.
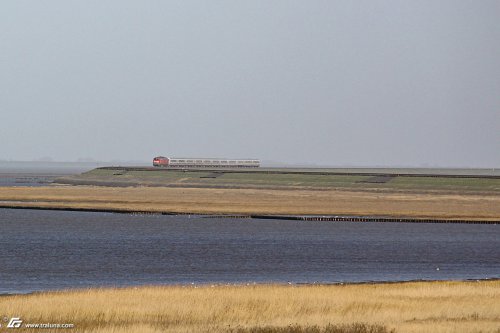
(258, 201)
(440, 307)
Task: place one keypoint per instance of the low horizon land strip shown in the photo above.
(260, 194)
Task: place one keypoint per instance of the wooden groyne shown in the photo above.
(371, 219)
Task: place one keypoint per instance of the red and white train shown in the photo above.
(178, 162)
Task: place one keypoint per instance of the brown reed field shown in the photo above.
(258, 201)
(412, 307)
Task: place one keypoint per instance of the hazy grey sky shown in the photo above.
(329, 82)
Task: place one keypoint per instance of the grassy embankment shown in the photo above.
(439, 307)
(255, 179)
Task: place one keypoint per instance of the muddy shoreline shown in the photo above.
(330, 218)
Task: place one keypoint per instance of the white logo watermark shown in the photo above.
(15, 322)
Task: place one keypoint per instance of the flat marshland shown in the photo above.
(444, 205)
(451, 307)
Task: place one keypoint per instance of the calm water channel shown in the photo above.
(43, 250)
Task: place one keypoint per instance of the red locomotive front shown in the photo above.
(160, 161)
